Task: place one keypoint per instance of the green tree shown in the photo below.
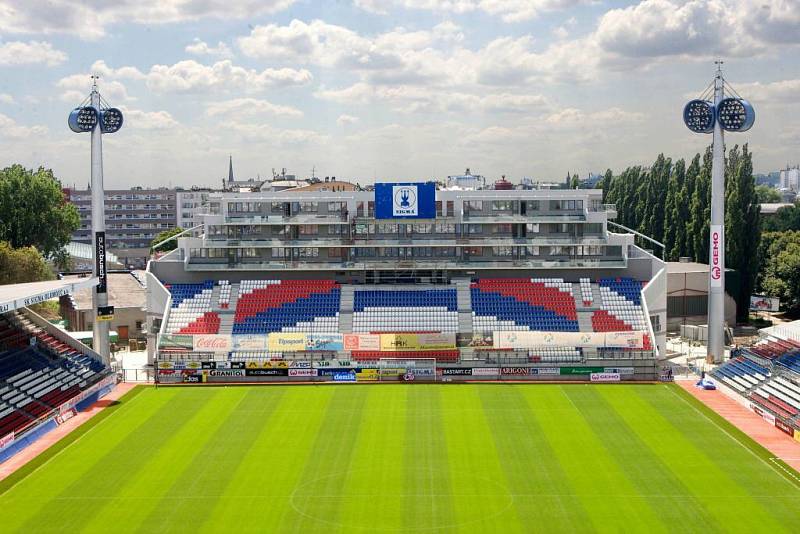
(33, 210)
(780, 273)
(575, 182)
(674, 227)
(742, 224)
(700, 210)
(605, 183)
(20, 265)
(684, 239)
(166, 234)
(767, 194)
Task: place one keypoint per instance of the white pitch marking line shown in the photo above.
(742, 445)
(788, 472)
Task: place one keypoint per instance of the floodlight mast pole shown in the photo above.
(99, 293)
(716, 249)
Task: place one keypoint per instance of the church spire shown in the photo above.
(230, 168)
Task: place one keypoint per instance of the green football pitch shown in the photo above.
(404, 458)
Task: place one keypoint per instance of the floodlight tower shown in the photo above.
(702, 116)
(98, 118)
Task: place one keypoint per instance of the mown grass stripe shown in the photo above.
(543, 493)
(214, 463)
(482, 499)
(427, 489)
(607, 495)
(127, 508)
(326, 472)
(269, 468)
(730, 505)
(646, 472)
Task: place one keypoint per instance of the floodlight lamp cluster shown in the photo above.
(85, 118)
(734, 114)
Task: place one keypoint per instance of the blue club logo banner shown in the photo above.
(405, 201)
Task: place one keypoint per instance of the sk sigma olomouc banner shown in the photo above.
(530, 340)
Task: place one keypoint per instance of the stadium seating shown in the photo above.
(37, 378)
(741, 374)
(775, 349)
(191, 309)
(266, 306)
(620, 308)
(424, 310)
(544, 304)
(556, 355)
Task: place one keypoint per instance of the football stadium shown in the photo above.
(412, 358)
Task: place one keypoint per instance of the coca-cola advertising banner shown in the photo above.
(212, 343)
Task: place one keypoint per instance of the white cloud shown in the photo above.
(346, 119)
(249, 107)
(9, 128)
(191, 76)
(201, 48)
(88, 20)
(398, 56)
(148, 120)
(508, 10)
(77, 87)
(19, 53)
(780, 92)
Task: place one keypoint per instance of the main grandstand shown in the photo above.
(528, 280)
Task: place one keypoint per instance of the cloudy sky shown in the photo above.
(393, 89)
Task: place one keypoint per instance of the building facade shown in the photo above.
(133, 218)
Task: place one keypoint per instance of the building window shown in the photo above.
(502, 251)
(309, 229)
(502, 205)
(501, 229)
(473, 205)
(474, 228)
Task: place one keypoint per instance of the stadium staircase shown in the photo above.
(464, 302)
(346, 309)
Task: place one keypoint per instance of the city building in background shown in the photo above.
(133, 218)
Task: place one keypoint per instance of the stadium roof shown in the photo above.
(124, 291)
(13, 296)
(783, 331)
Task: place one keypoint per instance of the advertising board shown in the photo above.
(249, 342)
(212, 343)
(302, 372)
(226, 372)
(764, 303)
(579, 370)
(519, 371)
(405, 200)
(329, 342)
(485, 371)
(604, 377)
(287, 341)
(362, 342)
(532, 340)
(456, 372)
(783, 427)
(267, 372)
(402, 342)
(349, 376)
(545, 371)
